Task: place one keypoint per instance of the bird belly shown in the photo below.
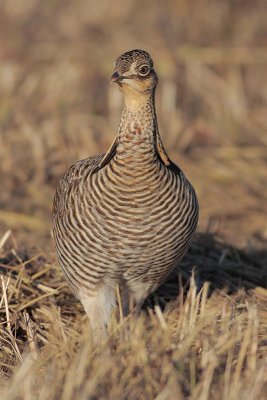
(131, 233)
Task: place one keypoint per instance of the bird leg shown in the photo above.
(98, 306)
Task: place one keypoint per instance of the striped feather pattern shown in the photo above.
(126, 217)
(132, 220)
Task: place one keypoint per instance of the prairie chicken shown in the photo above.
(126, 217)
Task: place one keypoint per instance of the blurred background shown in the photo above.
(57, 104)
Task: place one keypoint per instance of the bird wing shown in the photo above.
(70, 182)
(163, 156)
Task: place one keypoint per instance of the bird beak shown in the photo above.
(116, 77)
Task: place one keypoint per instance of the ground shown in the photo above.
(203, 334)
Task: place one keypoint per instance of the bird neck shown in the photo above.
(138, 127)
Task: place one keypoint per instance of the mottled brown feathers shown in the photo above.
(124, 62)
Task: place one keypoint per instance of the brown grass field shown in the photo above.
(203, 334)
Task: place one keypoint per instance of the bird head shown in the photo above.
(134, 73)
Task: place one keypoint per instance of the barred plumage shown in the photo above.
(126, 217)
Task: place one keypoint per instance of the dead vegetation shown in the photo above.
(203, 335)
(194, 339)
(208, 339)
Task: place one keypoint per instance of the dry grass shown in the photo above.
(201, 335)
(194, 339)
(209, 343)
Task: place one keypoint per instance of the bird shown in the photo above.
(125, 218)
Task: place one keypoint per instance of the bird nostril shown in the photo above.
(115, 77)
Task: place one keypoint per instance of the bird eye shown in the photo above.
(143, 70)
